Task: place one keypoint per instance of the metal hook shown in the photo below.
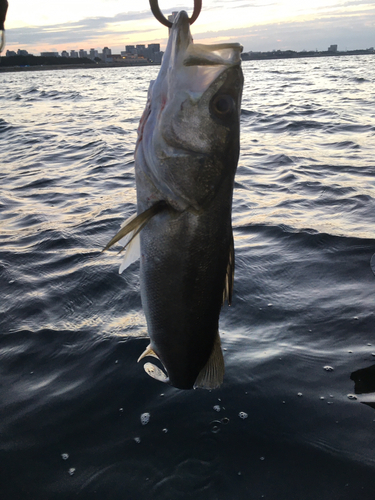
(160, 17)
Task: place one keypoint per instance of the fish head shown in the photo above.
(190, 129)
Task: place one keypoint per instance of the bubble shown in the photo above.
(243, 415)
(64, 456)
(239, 473)
(352, 396)
(215, 426)
(269, 305)
(145, 418)
(328, 368)
(217, 408)
(116, 361)
(350, 352)
(322, 397)
(165, 430)
(355, 317)
(373, 354)
(299, 394)
(121, 410)
(225, 420)
(262, 458)
(137, 439)
(71, 471)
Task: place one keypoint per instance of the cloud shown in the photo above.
(350, 29)
(347, 30)
(79, 31)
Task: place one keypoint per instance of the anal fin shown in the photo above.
(212, 374)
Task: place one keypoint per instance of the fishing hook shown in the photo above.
(160, 17)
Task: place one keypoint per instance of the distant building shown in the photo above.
(49, 54)
(117, 58)
(332, 48)
(10, 53)
(156, 57)
(106, 55)
(93, 53)
(21, 52)
(154, 47)
(130, 49)
(82, 53)
(64, 53)
(73, 54)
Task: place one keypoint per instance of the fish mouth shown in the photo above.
(180, 34)
(197, 54)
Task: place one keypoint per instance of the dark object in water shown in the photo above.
(364, 380)
(372, 263)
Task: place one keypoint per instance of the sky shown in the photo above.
(259, 25)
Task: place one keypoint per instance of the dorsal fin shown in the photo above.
(229, 278)
(212, 374)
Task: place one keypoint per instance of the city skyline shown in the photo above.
(260, 25)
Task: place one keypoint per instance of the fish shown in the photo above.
(185, 162)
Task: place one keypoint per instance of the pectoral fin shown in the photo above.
(134, 224)
(229, 278)
(212, 374)
(132, 252)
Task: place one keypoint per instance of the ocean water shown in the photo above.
(295, 416)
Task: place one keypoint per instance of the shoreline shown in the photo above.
(271, 56)
(246, 56)
(48, 67)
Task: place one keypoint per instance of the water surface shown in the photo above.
(300, 327)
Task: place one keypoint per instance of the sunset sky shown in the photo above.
(45, 25)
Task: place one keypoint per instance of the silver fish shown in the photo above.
(185, 162)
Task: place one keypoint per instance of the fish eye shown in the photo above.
(223, 105)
